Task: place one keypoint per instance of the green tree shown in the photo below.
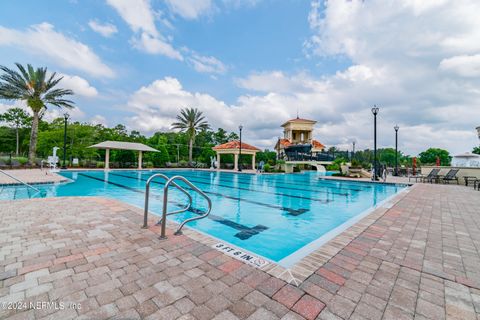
(190, 121)
(37, 90)
(430, 155)
(220, 136)
(266, 156)
(387, 156)
(476, 150)
(232, 136)
(18, 119)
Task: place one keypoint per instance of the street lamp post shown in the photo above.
(375, 110)
(396, 149)
(240, 127)
(65, 116)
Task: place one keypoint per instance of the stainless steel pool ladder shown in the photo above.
(18, 180)
(163, 219)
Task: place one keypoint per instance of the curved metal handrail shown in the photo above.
(165, 197)
(147, 196)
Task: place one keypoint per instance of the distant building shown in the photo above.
(298, 135)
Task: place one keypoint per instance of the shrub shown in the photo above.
(148, 164)
(356, 163)
(100, 164)
(182, 164)
(267, 168)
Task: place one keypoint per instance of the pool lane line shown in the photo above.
(293, 212)
(279, 187)
(325, 181)
(245, 232)
(192, 178)
(267, 177)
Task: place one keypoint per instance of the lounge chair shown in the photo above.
(450, 176)
(431, 176)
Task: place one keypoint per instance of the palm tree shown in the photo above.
(33, 87)
(190, 121)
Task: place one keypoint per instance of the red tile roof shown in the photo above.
(285, 142)
(317, 144)
(235, 145)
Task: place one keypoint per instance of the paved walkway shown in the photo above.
(419, 260)
(31, 176)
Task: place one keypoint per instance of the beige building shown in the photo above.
(298, 132)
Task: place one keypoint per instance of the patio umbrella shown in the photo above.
(437, 162)
(414, 165)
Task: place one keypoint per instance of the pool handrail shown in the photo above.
(147, 196)
(18, 180)
(165, 199)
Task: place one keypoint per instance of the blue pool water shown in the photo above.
(275, 216)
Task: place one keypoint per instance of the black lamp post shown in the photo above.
(240, 127)
(65, 116)
(353, 150)
(396, 149)
(375, 110)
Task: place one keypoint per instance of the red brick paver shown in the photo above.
(418, 260)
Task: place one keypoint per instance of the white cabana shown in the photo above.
(121, 145)
(233, 147)
(466, 160)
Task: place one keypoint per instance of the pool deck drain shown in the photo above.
(416, 258)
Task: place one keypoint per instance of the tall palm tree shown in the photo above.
(37, 90)
(190, 121)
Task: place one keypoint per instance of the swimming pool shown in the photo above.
(276, 216)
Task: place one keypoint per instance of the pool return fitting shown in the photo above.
(163, 219)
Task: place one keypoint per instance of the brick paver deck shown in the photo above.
(421, 259)
(31, 176)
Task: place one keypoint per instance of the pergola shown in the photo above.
(120, 145)
(233, 147)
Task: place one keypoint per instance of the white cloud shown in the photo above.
(106, 29)
(207, 64)
(417, 60)
(278, 81)
(79, 85)
(98, 119)
(155, 107)
(141, 18)
(156, 45)
(463, 65)
(43, 40)
(137, 14)
(420, 60)
(190, 9)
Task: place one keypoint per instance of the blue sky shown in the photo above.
(267, 35)
(257, 62)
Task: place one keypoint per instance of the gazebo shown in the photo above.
(233, 147)
(120, 145)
